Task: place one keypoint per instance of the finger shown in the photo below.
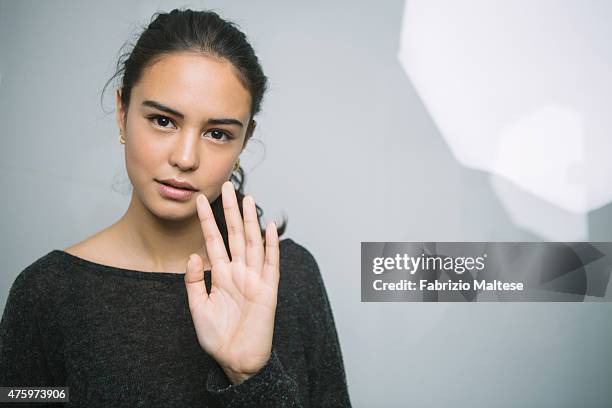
(233, 220)
(271, 269)
(194, 281)
(215, 248)
(254, 244)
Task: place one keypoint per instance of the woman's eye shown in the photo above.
(160, 121)
(218, 134)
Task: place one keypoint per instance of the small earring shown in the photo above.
(121, 139)
(237, 165)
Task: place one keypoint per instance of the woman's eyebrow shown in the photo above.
(164, 108)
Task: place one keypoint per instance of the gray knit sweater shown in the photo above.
(125, 338)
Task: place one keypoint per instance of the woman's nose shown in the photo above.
(185, 152)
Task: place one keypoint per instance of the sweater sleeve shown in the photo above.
(22, 357)
(23, 362)
(326, 374)
(269, 387)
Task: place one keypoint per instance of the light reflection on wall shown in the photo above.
(521, 90)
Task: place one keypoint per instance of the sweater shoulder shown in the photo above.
(295, 256)
(38, 275)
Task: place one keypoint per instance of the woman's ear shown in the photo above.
(120, 111)
(251, 129)
(249, 132)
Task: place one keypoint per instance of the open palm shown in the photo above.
(235, 322)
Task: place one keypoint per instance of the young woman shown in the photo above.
(185, 301)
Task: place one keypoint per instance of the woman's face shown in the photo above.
(187, 119)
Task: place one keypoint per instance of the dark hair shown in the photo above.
(208, 33)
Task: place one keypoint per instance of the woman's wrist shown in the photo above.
(235, 377)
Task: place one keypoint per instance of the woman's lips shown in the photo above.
(174, 193)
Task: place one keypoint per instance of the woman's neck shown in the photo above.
(162, 243)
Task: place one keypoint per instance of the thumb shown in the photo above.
(194, 280)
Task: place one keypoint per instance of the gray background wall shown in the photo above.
(345, 148)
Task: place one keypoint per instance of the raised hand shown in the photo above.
(235, 322)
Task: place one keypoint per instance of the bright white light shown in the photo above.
(521, 89)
